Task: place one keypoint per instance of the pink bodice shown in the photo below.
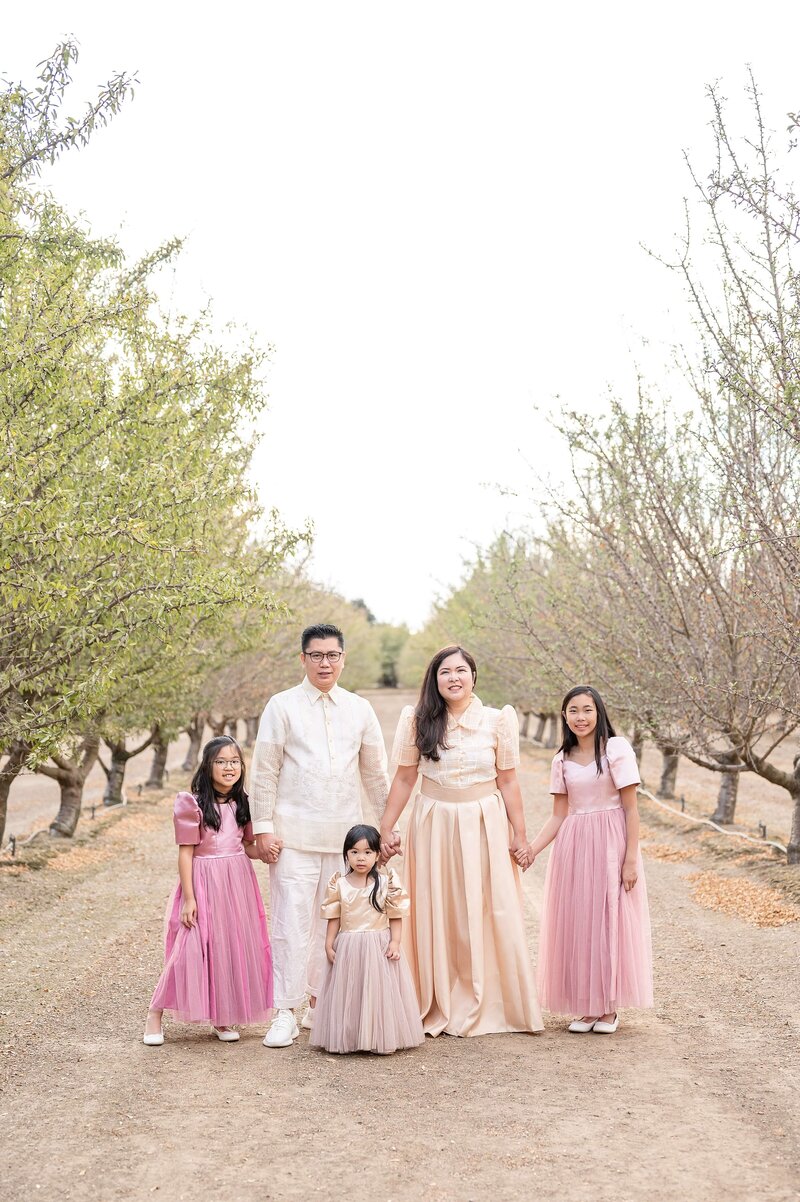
(587, 792)
(227, 841)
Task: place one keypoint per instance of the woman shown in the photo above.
(466, 946)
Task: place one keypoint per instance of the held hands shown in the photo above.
(393, 951)
(390, 845)
(268, 848)
(189, 912)
(629, 876)
(519, 850)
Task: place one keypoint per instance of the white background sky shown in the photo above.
(433, 211)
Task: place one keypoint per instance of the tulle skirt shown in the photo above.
(220, 970)
(594, 947)
(466, 937)
(367, 1003)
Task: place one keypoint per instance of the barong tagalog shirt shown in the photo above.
(313, 751)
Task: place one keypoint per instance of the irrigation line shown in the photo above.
(715, 826)
(14, 843)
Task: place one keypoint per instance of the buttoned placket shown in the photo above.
(326, 709)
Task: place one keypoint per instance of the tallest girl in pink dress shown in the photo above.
(594, 946)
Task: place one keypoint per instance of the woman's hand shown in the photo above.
(331, 954)
(189, 912)
(519, 850)
(630, 876)
(393, 951)
(390, 845)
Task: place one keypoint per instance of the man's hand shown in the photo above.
(268, 847)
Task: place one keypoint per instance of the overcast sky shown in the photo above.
(434, 213)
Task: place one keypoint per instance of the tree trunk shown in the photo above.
(793, 847)
(116, 773)
(8, 774)
(728, 793)
(71, 776)
(526, 721)
(669, 773)
(231, 727)
(637, 743)
(541, 722)
(217, 725)
(251, 731)
(551, 738)
(160, 748)
(194, 730)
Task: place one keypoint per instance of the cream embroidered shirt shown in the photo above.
(480, 742)
(313, 752)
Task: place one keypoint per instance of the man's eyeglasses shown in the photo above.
(332, 657)
(227, 763)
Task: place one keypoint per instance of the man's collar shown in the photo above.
(313, 693)
(471, 717)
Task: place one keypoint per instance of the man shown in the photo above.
(314, 743)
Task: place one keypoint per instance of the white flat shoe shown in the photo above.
(578, 1025)
(153, 1041)
(225, 1036)
(606, 1028)
(282, 1032)
(307, 1019)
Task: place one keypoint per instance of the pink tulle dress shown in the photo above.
(220, 970)
(594, 949)
(367, 1003)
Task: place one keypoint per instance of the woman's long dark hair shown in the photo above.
(603, 731)
(431, 712)
(203, 787)
(355, 835)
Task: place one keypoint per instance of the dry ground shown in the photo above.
(697, 1099)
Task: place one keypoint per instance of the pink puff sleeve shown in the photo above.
(557, 782)
(187, 819)
(622, 763)
(507, 750)
(404, 748)
(332, 905)
(247, 833)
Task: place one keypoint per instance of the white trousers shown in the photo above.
(297, 884)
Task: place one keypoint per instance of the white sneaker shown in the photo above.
(283, 1030)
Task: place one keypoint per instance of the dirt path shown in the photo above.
(695, 1100)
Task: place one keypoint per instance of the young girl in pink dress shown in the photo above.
(367, 1002)
(594, 949)
(218, 967)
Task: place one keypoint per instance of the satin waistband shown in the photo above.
(217, 855)
(429, 788)
(598, 810)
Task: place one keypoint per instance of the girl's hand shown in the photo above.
(189, 912)
(331, 954)
(393, 951)
(629, 876)
(530, 858)
(390, 845)
(519, 850)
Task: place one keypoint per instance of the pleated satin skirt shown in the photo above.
(465, 938)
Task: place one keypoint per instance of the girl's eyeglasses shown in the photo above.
(227, 763)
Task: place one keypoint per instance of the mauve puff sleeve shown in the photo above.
(187, 819)
(622, 762)
(397, 903)
(404, 749)
(507, 750)
(557, 782)
(332, 905)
